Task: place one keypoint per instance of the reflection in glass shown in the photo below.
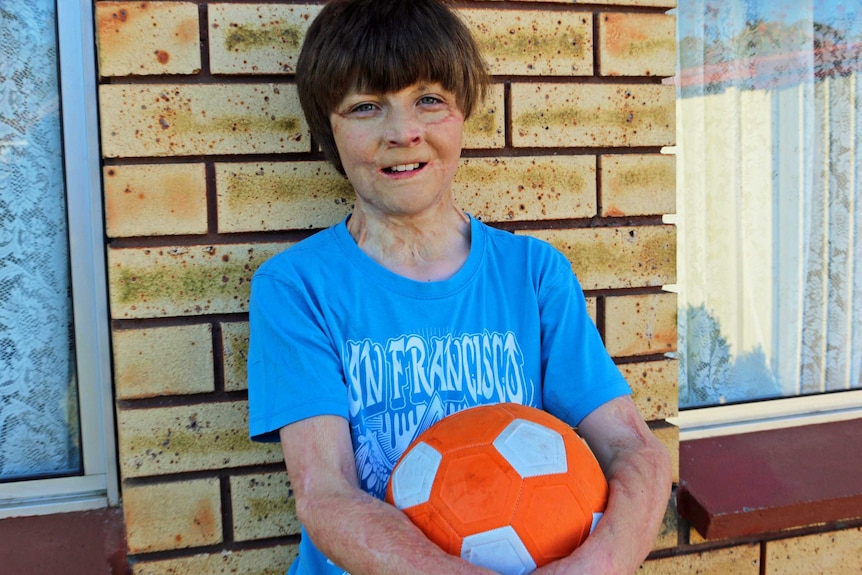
(770, 198)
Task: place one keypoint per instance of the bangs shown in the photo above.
(402, 56)
(392, 45)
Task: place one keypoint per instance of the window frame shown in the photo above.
(97, 486)
(762, 415)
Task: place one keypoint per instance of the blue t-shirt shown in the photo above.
(335, 333)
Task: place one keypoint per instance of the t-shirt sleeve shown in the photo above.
(293, 370)
(579, 374)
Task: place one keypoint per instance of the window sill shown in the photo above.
(766, 481)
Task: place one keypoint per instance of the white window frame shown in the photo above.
(98, 486)
(762, 415)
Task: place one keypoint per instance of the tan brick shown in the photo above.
(640, 3)
(257, 38)
(668, 535)
(592, 115)
(740, 560)
(486, 128)
(640, 324)
(159, 441)
(591, 308)
(654, 387)
(234, 340)
(264, 196)
(669, 436)
(183, 280)
(637, 44)
(613, 258)
(172, 515)
(163, 361)
(147, 38)
(155, 200)
(263, 506)
(149, 120)
(267, 561)
(527, 188)
(835, 553)
(531, 42)
(638, 185)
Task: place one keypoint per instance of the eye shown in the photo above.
(430, 100)
(363, 107)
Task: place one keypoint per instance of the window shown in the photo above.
(769, 152)
(56, 425)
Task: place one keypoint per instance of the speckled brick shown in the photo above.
(638, 185)
(183, 280)
(527, 188)
(739, 560)
(163, 361)
(165, 440)
(264, 196)
(531, 42)
(155, 200)
(147, 120)
(486, 127)
(640, 3)
(669, 437)
(234, 341)
(835, 553)
(269, 561)
(263, 506)
(637, 44)
(147, 38)
(593, 115)
(174, 515)
(640, 324)
(654, 387)
(592, 304)
(668, 534)
(613, 258)
(257, 38)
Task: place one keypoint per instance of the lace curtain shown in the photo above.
(38, 401)
(770, 198)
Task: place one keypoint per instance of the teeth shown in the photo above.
(404, 168)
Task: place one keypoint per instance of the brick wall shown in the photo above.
(209, 169)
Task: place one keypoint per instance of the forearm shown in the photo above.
(638, 469)
(364, 535)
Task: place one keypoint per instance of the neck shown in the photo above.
(430, 247)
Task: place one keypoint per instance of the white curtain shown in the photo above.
(769, 157)
(38, 400)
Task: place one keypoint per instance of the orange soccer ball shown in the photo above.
(504, 486)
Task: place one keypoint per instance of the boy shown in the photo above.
(366, 333)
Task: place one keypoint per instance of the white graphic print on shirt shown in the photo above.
(399, 388)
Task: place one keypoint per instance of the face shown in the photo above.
(400, 150)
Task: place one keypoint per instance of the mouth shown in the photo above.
(402, 168)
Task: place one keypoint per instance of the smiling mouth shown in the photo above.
(403, 168)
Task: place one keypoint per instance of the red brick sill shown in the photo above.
(766, 481)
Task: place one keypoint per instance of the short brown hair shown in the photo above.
(384, 46)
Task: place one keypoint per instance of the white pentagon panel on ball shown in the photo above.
(596, 518)
(500, 550)
(532, 449)
(414, 476)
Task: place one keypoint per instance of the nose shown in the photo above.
(403, 128)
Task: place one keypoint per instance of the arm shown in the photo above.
(638, 470)
(355, 530)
